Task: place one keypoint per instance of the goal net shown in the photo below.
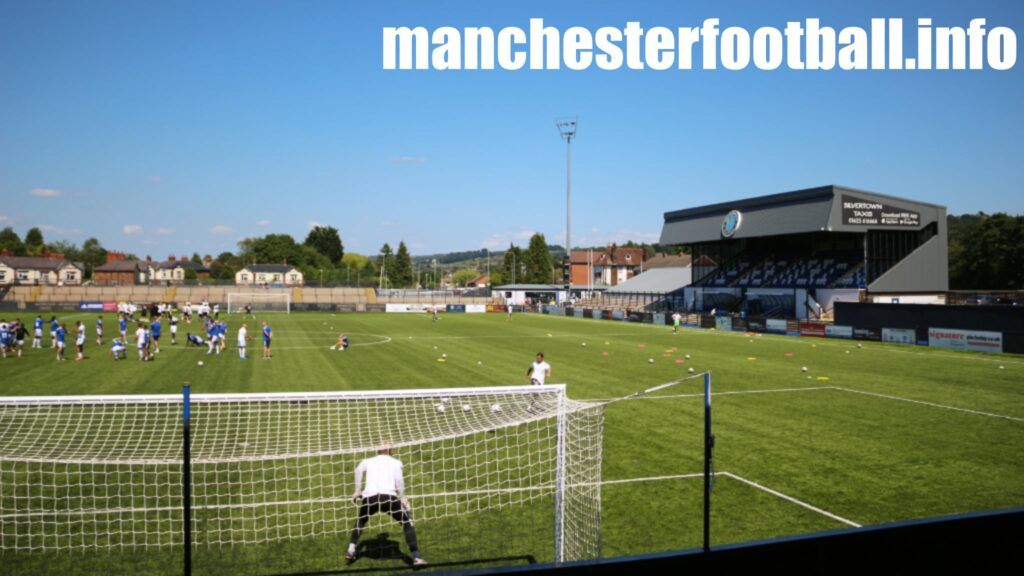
(260, 301)
(495, 476)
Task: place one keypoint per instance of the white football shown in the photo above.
(691, 370)
(687, 356)
(200, 362)
(650, 360)
(584, 344)
(444, 355)
(439, 407)
(465, 408)
(803, 369)
(496, 408)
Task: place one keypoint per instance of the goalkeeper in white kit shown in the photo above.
(384, 494)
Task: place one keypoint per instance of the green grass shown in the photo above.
(893, 433)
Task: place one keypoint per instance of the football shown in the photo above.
(803, 369)
(200, 362)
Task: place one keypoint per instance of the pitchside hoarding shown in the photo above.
(976, 340)
(899, 335)
(723, 323)
(91, 306)
(776, 326)
(833, 331)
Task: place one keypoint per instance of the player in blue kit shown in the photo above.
(54, 326)
(99, 330)
(118, 350)
(59, 336)
(122, 326)
(155, 331)
(268, 334)
(5, 337)
(37, 332)
(211, 337)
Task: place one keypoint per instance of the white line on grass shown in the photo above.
(538, 488)
(701, 394)
(787, 498)
(931, 404)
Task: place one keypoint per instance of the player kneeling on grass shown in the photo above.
(384, 494)
(118, 351)
(342, 343)
(193, 340)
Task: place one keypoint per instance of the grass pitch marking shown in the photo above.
(791, 499)
(929, 404)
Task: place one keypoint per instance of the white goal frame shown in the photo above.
(146, 431)
(236, 300)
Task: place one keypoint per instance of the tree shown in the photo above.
(464, 276)
(93, 255)
(401, 275)
(10, 241)
(538, 261)
(326, 241)
(197, 258)
(276, 248)
(34, 241)
(385, 261)
(354, 264)
(512, 268)
(986, 252)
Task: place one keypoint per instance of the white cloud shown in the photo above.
(501, 240)
(619, 237)
(154, 178)
(5, 218)
(59, 229)
(132, 229)
(409, 159)
(390, 224)
(222, 229)
(416, 245)
(263, 222)
(315, 224)
(164, 231)
(46, 192)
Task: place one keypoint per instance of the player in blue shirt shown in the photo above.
(154, 329)
(122, 326)
(58, 337)
(118, 350)
(191, 339)
(5, 337)
(211, 337)
(268, 334)
(54, 325)
(37, 332)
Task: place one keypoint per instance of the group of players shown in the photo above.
(148, 333)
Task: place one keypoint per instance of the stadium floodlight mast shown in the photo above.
(567, 126)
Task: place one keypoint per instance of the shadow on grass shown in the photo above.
(384, 548)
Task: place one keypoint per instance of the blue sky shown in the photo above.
(177, 127)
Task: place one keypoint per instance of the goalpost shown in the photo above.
(260, 301)
(493, 475)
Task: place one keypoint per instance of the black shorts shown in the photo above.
(384, 504)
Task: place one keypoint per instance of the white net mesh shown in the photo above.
(259, 302)
(490, 472)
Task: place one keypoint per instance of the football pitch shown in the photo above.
(868, 434)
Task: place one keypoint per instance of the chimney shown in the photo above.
(183, 258)
(285, 262)
(170, 258)
(149, 259)
(5, 252)
(208, 260)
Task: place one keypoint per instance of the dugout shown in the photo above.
(793, 254)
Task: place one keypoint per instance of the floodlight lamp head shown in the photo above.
(567, 126)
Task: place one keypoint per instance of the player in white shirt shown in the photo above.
(174, 327)
(539, 371)
(80, 343)
(187, 311)
(142, 341)
(676, 319)
(384, 494)
(243, 335)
